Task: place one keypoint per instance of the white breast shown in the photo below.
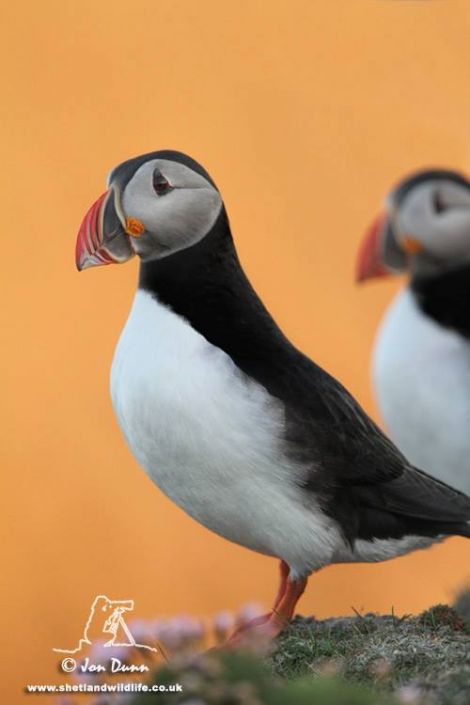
(421, 376)
(210, 438)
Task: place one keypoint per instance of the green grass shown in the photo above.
(361, 660)
(430, 652)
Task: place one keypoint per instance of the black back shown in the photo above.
(445, 297)
(359, 476)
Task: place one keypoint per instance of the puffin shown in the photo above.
(421, 356)
(229, 419)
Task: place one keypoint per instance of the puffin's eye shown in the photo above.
(161, 185)
(439, 204)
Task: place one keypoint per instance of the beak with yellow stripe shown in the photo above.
(105, 234)
(156, 204)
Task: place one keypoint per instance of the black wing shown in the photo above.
(363, 478)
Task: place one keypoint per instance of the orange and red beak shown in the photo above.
(369, 263)
(102, 238)
(382, 253)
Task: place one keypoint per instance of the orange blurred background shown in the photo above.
(304, 112)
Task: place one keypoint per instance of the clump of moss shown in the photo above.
(442, 615)
(430, 652)
(462, 607)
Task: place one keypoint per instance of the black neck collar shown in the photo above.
(446, 298)
(206, 285)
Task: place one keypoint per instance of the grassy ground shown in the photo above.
(360, 660)
(425, 657)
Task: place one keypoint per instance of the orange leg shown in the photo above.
(272, 623)
(284, 573)
(283, 613)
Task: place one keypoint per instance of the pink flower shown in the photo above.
(223, 624)
(248, 612)
(143, 631)
(178, 632)
(410, 695)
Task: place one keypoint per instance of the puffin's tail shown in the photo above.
(422, 495)
(415, 503)
(464, 531)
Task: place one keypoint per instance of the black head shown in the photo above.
(425, 227)
(156, 204)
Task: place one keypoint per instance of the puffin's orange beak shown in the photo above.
(369, 262)
(102, 238)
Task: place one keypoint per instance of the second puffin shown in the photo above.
(231, 421)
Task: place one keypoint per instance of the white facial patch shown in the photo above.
(437, 214)
(176, 219)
